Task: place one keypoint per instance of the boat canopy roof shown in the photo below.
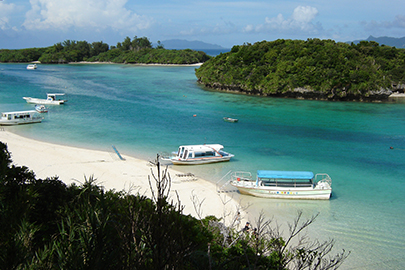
(55, 94)
(202, 147)
(285, 174)
(21, 112)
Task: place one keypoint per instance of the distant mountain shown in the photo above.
(179, 44)
(388, 41)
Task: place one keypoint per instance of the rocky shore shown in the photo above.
(305, 93)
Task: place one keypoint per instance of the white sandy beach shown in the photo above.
(73, 165)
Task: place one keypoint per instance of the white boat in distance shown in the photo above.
(32, 66)
(231, 120)
(284, 184)
(41, 108)
(199, 154)
(19, 118)
(51, 99)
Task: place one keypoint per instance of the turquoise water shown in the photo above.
(145, 110)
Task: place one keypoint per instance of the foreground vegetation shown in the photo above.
(137, 50)
(318, 69)
(48, 225)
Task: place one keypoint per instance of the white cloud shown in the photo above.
(248, 28)
(5, 11)
(301, 20)
(90, 14)
(304, 15)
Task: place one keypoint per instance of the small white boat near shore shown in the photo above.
(284, 184)
(32, 66)
(199, 154)
(51, 99)
(19, 118)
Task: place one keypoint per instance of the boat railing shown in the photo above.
(241, 176)
(322, 178)
(220, 185)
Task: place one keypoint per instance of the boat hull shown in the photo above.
(19, 122)
(43, 101)
(198, 161)
(284, 193)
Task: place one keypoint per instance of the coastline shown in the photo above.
(135, 64)
(138, 64)
(74, 165)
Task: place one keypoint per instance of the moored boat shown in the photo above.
(284, 184)
(231, 120)
(19, 118)
(51, 99)
(199, 154)
(32, 66)
(41, 108)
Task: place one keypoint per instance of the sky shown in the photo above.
(43, 23)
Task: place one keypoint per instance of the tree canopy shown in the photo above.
(319, 69)
(137, 50)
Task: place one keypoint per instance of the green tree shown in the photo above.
(98, 47)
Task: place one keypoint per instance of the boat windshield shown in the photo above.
(185, 156)
(180, 152)
(286, 183)
(22, 116)
(204, 154)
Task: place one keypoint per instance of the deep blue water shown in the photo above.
(145, 110)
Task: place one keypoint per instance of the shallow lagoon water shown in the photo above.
(145, 110)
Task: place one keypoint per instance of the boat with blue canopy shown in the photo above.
(284, 184)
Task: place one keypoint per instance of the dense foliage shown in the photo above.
(320, 69)
(46, 224)
(137, 50)
(21, 56)
(152, 56)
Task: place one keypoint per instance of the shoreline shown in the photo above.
(135, 64)
(73, 165)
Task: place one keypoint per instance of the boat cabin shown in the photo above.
(18, 115)
(21, 117)
(285, 178)
(55, 97)
(199, 151)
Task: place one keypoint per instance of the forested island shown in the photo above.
(135, 51)
(311, 69)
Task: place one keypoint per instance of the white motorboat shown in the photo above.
(284, 184)
(231, 120)
(32, 66)
(51, 99)
(199, 154)
(19, 118)
(41, 108)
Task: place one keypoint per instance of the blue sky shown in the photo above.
(42, 23)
